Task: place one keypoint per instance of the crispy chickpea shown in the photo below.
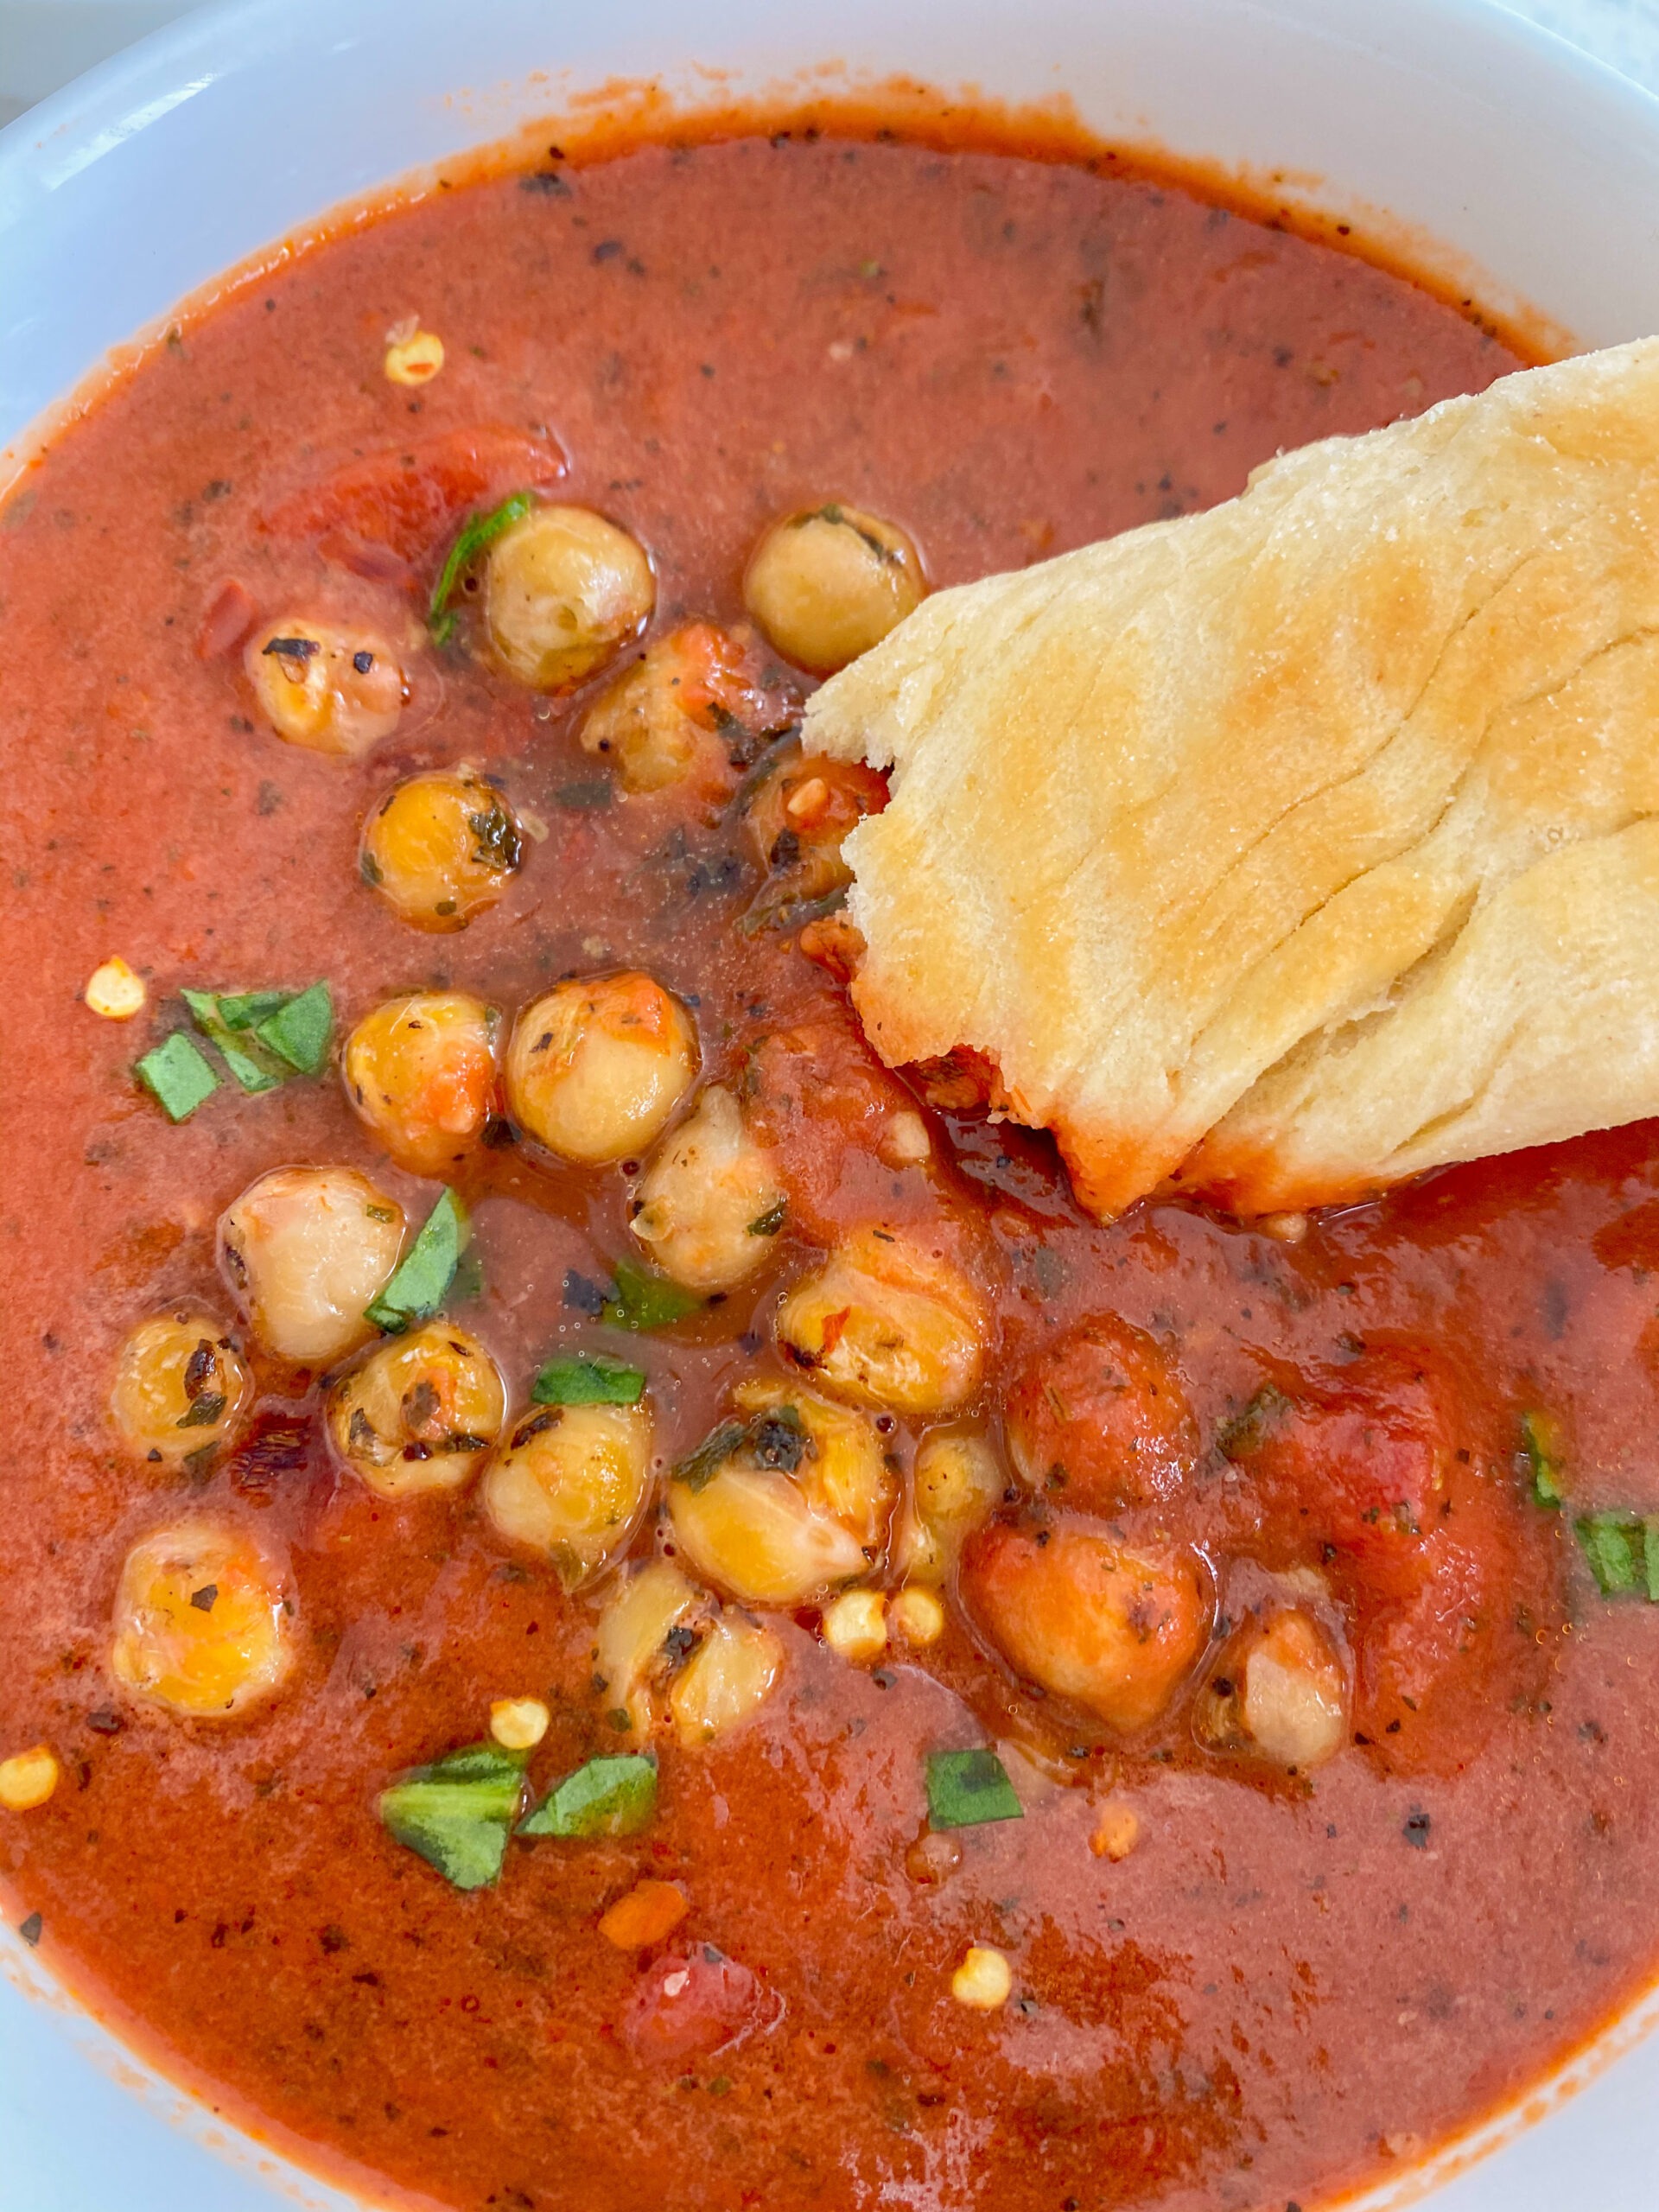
(1115, 1630)
(682, 713)
(564, 591)
(180, 1386)
(329, 689)
(889, 1323)
(441, 848)
(710, 1204)
(420, 1413)
(1099, 1421)
(202, 1620)
(306, 1249)
(954, 1489)
(1279, 1693)
(421, 1072)
(827, 584)
(596, 1067)
(571, 1484)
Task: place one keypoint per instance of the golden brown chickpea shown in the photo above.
(679, 714)
(329, 689)
(421, 1072)
(885, 1323)
(420, 1413)
(596, 1066)
(827, 584)
(181, 1387)
(306, 1249)
(202, 1621)
(564, 591)
(441, 848)
(571, 1484)
(710, 1203)
(1279, 1693)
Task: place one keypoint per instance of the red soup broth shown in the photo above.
(1291, 1979)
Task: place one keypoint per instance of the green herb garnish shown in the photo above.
(425, 1273)
(587, 1379)
(482, 531)
(177, 1076)
(252, 1069)
(641, 1300)
(1622, 1549)
(608, 1796)
(299, 1030)
(458, 1812)
(1541, 1440)
(245, 1009)
(769, 1224)
(966, 1788)
(776, 1438)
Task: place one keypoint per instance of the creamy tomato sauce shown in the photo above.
(1231, 1984)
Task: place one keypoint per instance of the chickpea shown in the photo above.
(441, 848)
(631, 1647)
(597, 1066)
(202, 1621)
(799, 1500)
(332, 690)
(1280, 1693)
(181, 1387)
(306, 1249)
(571, 1484)
(827, 584)
(1099, 1421)
(797, 822)
(421, 1072)
(957, 1483)
(887, 1323)
(420, 1413)
(672, 717)
(1116, 1632)
(732, 1673)
(710, 1204)
(564, 591)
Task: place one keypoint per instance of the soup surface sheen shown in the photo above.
(1231, 1984)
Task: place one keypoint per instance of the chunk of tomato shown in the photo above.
(689, 2005)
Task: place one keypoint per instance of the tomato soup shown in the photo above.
(606, 1601)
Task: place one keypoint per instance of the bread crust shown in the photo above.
(1294, 848)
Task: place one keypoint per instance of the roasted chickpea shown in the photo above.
(1279, 1693)
(441, 848)
(571, 1484)
(682, 712)
(421, 1072)
(564, 591)
(827, 584)
(1099, 1421)
(306, 1249)
(710, 1203)
(420, 1413)
(597, 1066)
(885, 1323)
(1115, 1630)
(181, 1387)
(332, 690)
(954, 1489)
(798, 1500)
(202, 1620)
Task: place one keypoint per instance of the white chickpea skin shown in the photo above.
(306, 1249)
(325, 686)
(420, 1413)
(570, 1484)
(441, 848)
(564, 591)
(202, 1622)
(420, 1071)
(596, 1067)
(888, 1322)
(710, 1204)
(181, 1387)
(829, 582)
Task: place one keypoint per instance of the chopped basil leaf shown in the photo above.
(469, 1279)
(299, 1030)
(426, 1271)
(697, 1470)
(203, 1412)
(177, 1077)
(245, 1009)
(1622, 1549)
(776, 1438)
(769, 1224)
(253, 1070)
(640, 1300)
(482, 531)
(587, 1379)
(966, 1788)
(458, 1812)
(608, 1796)
(1541, 1441)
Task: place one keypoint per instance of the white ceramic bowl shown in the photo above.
(1502, 154)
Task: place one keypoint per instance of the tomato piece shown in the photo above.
(689, 2005)
(404, 502)
(1099, 1420)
